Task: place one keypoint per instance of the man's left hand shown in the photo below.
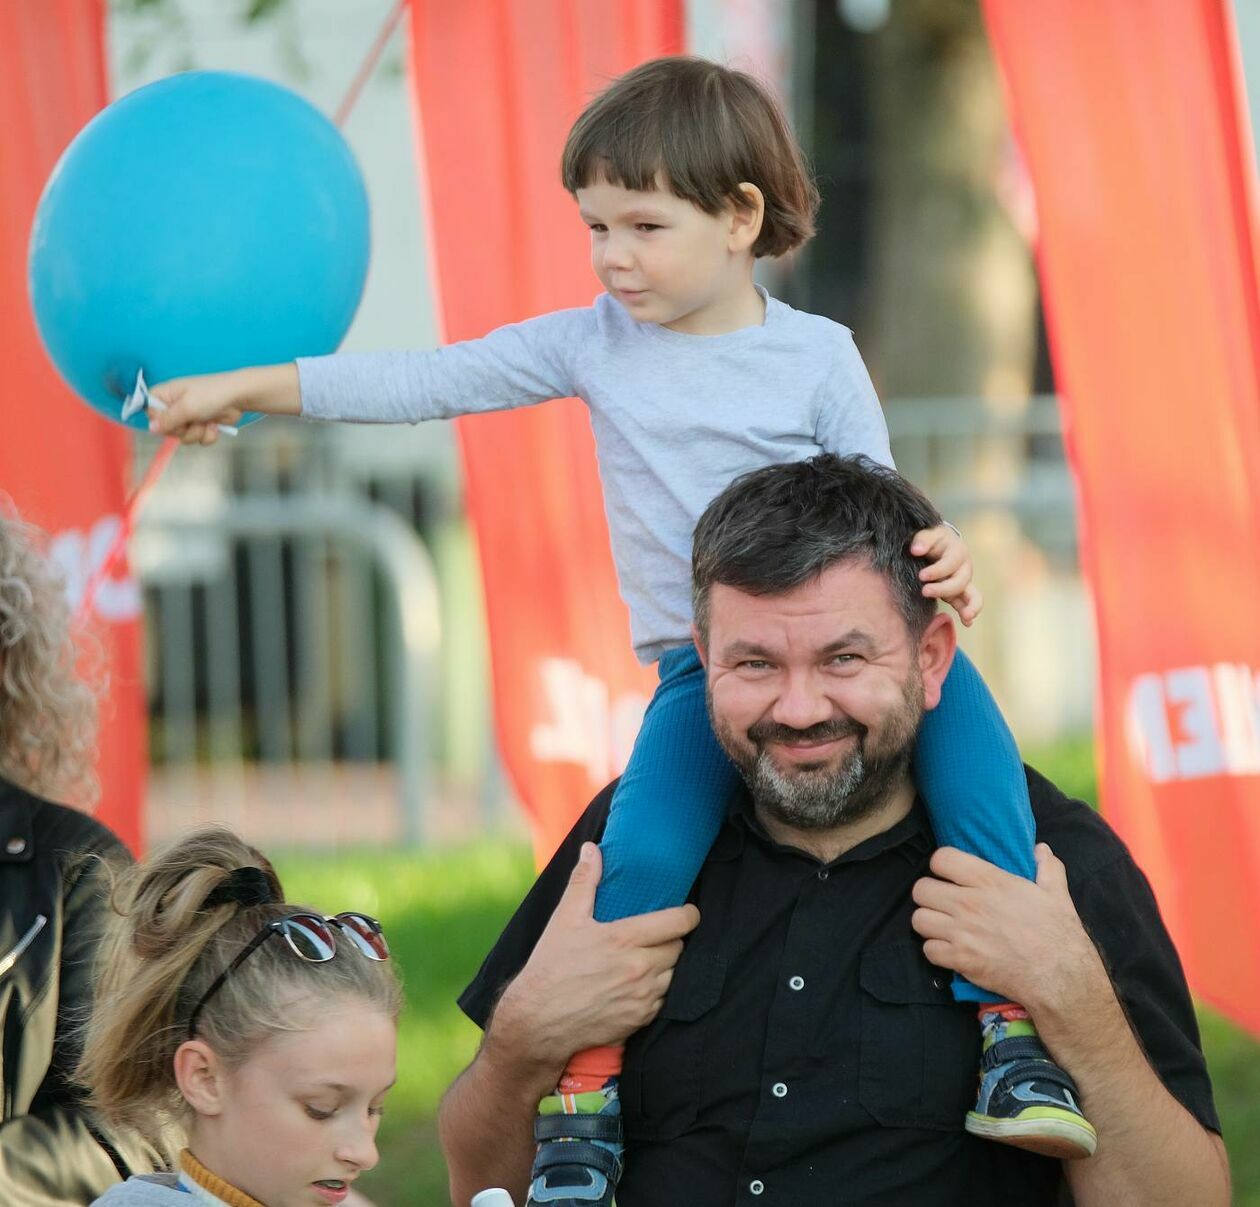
(1021, 939)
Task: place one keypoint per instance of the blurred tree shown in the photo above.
(912, 146)
(162, 30)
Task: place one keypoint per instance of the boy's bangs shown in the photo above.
(622, 157)
(642, 159)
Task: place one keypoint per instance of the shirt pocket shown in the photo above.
(920, 1050)
(663, 1081)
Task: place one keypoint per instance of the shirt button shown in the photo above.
(823, 873)
(779, 1090)
(15, 846)
(756, 1186)
(797, 982)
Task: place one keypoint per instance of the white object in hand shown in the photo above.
(492, 1198)
(141, 400)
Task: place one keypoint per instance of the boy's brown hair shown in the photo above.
(699, 130)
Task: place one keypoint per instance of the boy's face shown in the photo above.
(662, 257)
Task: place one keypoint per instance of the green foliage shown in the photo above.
(443, 910)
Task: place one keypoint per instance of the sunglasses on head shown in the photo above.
(311, 937)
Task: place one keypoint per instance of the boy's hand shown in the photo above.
(195, 406)
(949, 575)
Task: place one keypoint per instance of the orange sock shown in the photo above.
(590, 1070)
(1010, 1011)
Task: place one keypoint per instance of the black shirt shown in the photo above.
(807, 1053)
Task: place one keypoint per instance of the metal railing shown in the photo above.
(295, 585)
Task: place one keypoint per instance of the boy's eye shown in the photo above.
(315, 1113)
(649, 226)
(598, 228)
(378, 1111)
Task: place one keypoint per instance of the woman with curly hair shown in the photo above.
(53, 1150)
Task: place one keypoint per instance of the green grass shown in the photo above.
(443, 910)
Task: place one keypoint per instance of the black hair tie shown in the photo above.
(244, 886)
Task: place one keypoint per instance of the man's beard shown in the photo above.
(824, 796)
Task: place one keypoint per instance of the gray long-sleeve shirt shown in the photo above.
(676, 417)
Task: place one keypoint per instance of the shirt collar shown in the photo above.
(911, 837)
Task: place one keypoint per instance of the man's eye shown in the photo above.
(754, 664)
(315, 1113)
(843, 659)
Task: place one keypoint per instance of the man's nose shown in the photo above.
(802, 702)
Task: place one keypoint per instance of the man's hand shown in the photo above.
(1020, 939)
(588, 984)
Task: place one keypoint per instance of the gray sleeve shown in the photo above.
(850, 419)
(513, 366)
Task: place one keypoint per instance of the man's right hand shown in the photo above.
(588, 984)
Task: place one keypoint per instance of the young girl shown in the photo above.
(686, 172)
(265, 1028)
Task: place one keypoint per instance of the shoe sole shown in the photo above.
(1065, 1139)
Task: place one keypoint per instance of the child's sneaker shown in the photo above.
(578, 1161)
(1025, 1098)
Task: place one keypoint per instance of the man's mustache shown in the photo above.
(824, 731)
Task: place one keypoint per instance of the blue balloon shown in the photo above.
(205, 222)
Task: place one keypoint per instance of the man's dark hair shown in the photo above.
(700, 130)
(776, 528)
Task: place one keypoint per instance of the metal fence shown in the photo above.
(313, 612)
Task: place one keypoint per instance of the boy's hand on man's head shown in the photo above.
(948, 577)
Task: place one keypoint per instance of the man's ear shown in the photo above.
(936, 655)
(746, 219)
(701, 650)
(199, 1075)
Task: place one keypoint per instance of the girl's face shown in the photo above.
(663, 258)
(295, 1124)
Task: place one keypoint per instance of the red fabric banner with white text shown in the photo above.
(61, 464)
(498, 83)
(1135, 135)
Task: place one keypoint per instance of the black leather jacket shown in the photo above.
(52, 910)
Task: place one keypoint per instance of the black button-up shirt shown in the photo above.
(807, 1053)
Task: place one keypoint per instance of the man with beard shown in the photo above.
(802, 1047)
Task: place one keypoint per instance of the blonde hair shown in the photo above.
(161, 953)
(48, 684)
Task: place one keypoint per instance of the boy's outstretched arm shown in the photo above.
(195, 406)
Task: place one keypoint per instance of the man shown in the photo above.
(805, 1047)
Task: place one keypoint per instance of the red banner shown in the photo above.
(64, 466)
(498, 83)
(1136, 139)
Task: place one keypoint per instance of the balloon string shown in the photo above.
(138, 496)
(370, 60)
(162, 458)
